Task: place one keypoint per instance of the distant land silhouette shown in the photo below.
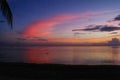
(112, 42)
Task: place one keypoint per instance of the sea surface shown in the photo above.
(72, 55)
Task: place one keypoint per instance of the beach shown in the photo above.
(25, 71)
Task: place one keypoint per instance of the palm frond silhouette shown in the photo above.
(6, 12)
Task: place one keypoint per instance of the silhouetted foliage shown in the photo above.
(6, 11)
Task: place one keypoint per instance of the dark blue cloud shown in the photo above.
(38, 39)
(117, 18)
(77, 33)
(21, 39)
(105, 28)
(114, 33)
(109, 28)
(92, 29)
(42, 40)
(88, 29)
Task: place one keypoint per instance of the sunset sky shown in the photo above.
(61, 21)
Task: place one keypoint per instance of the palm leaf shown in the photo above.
(6, 12)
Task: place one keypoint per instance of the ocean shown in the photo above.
(70, 55)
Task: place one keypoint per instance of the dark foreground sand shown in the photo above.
(23, 71)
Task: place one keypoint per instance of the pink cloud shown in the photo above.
(45, 27)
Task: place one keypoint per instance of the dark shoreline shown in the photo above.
(59, 72)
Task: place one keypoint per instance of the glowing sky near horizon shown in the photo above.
(37, 21)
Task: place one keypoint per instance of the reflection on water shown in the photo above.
(115, 55)
(88, 55)
(37, 55)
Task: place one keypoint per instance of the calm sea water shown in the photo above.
(87, 55)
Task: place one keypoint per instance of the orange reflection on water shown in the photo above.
(73, 55)
(38, 55)
(116, 55)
